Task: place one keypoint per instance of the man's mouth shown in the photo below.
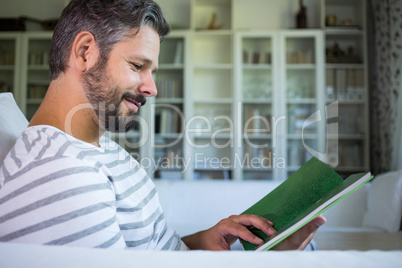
(133, 104)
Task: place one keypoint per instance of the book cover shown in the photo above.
(307, 193)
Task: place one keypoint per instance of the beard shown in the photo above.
(106, 100)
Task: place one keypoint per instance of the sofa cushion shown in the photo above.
(349, 212)
(12, 123)
(384, 202)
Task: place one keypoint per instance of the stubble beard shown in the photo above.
(107, 100)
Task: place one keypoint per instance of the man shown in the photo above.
(62, 184)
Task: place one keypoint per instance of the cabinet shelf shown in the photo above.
(205, 32)
(257, 136)
(257, 101)
(300, 66)
(257, 66)
(301, 101)
(213, 2)
(171, 66)
(310, 136)
(169, 135)
(220, 136)
(214, 101)
(214, 66)
(39, 82)
(34, 101)
(41, 67)
(347, 137)
(351, 169)
(257, 169)
(169, 100)
(343, 31)
(212, 168)
(344, 66)
(347, 102)
(7, 67)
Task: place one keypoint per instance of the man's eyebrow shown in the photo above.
(147, 61)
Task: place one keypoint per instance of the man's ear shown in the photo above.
(85, 52)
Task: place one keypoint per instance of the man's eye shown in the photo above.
(136, 67)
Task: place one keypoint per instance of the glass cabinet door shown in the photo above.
(167, 110)
(303, 85)
(9, 63)
(257, 155)
(36, 70)
(211, 124)
(346, 69)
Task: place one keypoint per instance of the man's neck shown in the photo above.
(65, 107)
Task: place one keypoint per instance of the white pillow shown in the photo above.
(12, 123)
(384, 202)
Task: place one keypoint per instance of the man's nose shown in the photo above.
(148, 87)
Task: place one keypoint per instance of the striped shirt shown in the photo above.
(57, 190)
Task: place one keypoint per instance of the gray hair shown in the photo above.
(110, 21)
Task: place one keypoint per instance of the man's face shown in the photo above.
(118, 88)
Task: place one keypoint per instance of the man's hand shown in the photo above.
(301, 238)
(227, 231)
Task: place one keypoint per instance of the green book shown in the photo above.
(306, 194)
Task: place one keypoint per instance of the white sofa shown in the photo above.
(371, 212)
(17, 256)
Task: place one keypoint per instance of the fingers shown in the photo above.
(256, 221)
(307, 232)
(227, 231)
(235, 226)
(301, 238)
(231, 229)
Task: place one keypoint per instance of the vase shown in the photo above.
(301, 17)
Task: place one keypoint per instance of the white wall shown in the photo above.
(271, 14)
(177, 11)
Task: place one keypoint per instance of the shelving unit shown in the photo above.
(237, 100)
(212, 93)
(303, 81)
(10, 63)
(256, 84)
(346, 79)
(35, 70)
(203, 12)
(166, 115)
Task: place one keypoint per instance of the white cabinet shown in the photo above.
(24, 67)
(302, 93)
(10, 63)
(344, 25)
(211, 15)
(256, 93)
(278, 90)
(169, 108)
(212, 95)
(238, 99)
(34, 71)
(158, 141)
